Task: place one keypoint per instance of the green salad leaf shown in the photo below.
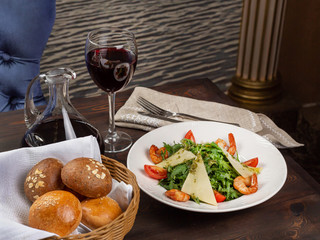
(220, 171)
(176, 176)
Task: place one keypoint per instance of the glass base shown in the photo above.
(117, 142)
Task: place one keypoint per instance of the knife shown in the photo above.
(175, 120)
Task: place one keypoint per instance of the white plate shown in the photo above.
(249, 145)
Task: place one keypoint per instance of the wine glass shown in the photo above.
(111, 57)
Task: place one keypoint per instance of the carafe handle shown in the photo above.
(51, 78)
(31, 112)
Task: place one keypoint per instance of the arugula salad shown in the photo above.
(208, 172)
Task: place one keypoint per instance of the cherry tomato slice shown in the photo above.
(219, 197)
(252, 162)
(155, 171)
(190, 136)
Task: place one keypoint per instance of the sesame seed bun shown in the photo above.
(44, 177)
(57, 211)
(87, 177)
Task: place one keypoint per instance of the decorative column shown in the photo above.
(257, 80)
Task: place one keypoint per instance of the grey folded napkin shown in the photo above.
(128, 115)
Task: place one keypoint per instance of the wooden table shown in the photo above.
(293, 213)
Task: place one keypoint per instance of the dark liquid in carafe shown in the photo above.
(53, 131)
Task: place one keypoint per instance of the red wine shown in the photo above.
(111, 68)
(53, 131)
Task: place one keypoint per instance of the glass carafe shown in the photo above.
(60, 120)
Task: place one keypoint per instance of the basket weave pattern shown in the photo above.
(119, 227)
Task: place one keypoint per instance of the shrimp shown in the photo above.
(177, 195)
(221, 143)
(247, 185)
(232, 148)
(156, 154)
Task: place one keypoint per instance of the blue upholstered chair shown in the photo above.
(25, 27)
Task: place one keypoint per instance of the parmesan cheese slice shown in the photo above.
(241, 169)
(197, 183)
(179, 157)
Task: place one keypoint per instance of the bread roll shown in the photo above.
(58, 212)
(45, 176)
(87, 176)
(99, 212)
(78, 195)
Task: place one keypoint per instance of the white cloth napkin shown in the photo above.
(128, 115)
(15, 165)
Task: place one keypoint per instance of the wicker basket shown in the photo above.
(118, 228)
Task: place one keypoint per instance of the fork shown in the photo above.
(150, 107)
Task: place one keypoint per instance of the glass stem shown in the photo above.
(112, 128)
